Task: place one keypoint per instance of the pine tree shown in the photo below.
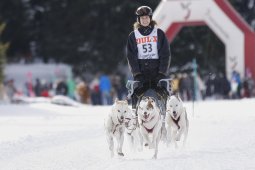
(3, 48)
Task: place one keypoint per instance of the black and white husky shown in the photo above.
(150, 123)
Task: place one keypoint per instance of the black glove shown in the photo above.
(160, 76)
(139, 77)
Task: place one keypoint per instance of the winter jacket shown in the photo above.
(148, 67)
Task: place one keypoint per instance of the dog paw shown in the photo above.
(121, 154)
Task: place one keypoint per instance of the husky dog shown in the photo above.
(150, 123)
(133, 133)
(176, 120)
(114, 125)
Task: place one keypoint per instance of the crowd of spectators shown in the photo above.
(213, 86)
(102, 89)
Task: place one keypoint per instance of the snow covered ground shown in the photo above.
(44, 136)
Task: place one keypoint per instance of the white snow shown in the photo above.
(44, 136)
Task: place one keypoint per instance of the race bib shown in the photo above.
(147, 45)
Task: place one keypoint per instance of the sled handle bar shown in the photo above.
(168, 85)
(132, 85)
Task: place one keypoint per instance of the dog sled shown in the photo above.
(159, 97)
(150, 111)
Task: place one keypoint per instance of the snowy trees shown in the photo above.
(86, 33)
(3, 48)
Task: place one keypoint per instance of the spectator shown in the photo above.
(45, 92)
(234, 89)
(83, 93)
(71, 87)
(201, 87)
(236, 80)
(37, 87)
(225, 84)
(210, 86)
(95, 91)
(116, 84)
(10, 89)
(105, 88)
(61, 88)
(186, 87)
(175, 83)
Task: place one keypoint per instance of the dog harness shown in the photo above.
(176, 121)
(115, 127)
(149, 130)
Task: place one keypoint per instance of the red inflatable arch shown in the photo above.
(222, 19)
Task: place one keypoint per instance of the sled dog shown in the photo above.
(150, 123)
(176, 120)
(114, 125)
(133, 132)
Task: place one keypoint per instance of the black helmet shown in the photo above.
(143, 10)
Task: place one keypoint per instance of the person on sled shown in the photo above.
(148, 55)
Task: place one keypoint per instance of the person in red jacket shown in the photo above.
(148, 54)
